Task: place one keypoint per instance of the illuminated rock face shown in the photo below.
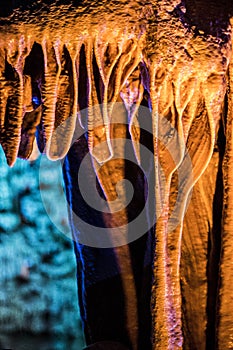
(175, 59)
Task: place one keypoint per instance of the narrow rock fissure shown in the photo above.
(214, 248)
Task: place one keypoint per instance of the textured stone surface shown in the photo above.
(38, 295)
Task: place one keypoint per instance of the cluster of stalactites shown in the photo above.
(45, 87)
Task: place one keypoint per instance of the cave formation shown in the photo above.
(60, 58)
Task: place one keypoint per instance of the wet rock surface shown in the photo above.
(38, 296)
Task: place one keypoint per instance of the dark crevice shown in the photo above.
(10, 72)
(83, 86)
(99, 86)
(6, 8)
(214, 248)
(34, 67)
(215, 22)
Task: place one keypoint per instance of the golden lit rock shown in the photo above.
(58, 60)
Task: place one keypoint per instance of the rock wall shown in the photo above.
(38, 296)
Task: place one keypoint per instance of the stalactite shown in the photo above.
(52, 71)
(3, 89)
(119, 222)
(127, 63)
(16, 52)
(67, 103)
(199, 136)
(98, 122)
(132, 95)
